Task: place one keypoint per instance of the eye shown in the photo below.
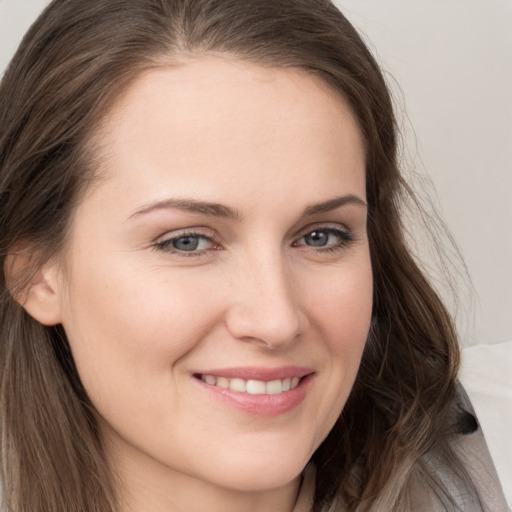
(325, 238)
(187, 244)
(318, 238)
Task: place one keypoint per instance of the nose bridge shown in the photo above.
(264, 305)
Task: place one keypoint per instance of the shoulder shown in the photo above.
(471, 448)
(472, 455)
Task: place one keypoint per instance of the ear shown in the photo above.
(40, 296)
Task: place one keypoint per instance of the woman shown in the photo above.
(207, 297)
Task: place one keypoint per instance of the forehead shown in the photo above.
(224, 118)
(216, 81)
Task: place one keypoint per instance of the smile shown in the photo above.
(251, 386)
(258, 391)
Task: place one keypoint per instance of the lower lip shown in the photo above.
(261, 405)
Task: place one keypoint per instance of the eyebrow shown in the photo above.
(332, 204)
(191, 205)
(220, 210)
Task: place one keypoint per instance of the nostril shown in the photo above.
(266, 325)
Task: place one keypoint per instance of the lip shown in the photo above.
(260, 405)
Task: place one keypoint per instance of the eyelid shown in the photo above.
(345, 234)
(323, 226)
(164, 243)
(189, 231)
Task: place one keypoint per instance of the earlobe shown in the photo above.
(42, 302)
(40, 295)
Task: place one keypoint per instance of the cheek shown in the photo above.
(341, 306)
(132, 325)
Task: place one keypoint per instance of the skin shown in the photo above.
(142, 316)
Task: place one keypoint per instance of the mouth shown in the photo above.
(258, 391)
(251, 386)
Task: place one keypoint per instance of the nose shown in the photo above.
(265, 306)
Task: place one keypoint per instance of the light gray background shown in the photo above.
(453, 61)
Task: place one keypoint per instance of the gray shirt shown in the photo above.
(472, 451)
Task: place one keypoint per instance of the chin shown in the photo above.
(272, 477)
(271, 468)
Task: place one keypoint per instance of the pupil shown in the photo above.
(186, 243)
(317, 238)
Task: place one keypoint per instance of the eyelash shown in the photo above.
(166, 245)
(345, 238)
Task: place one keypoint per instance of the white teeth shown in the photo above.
(238, 385)
(210, 379)
(274, 387)
(253, 387)
(222, 382)
(256, 387)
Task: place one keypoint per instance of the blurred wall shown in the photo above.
(453, 63)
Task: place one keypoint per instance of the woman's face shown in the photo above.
(217, 287)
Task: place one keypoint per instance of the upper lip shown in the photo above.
(259, 373)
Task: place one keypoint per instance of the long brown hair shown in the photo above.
(74, 61)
